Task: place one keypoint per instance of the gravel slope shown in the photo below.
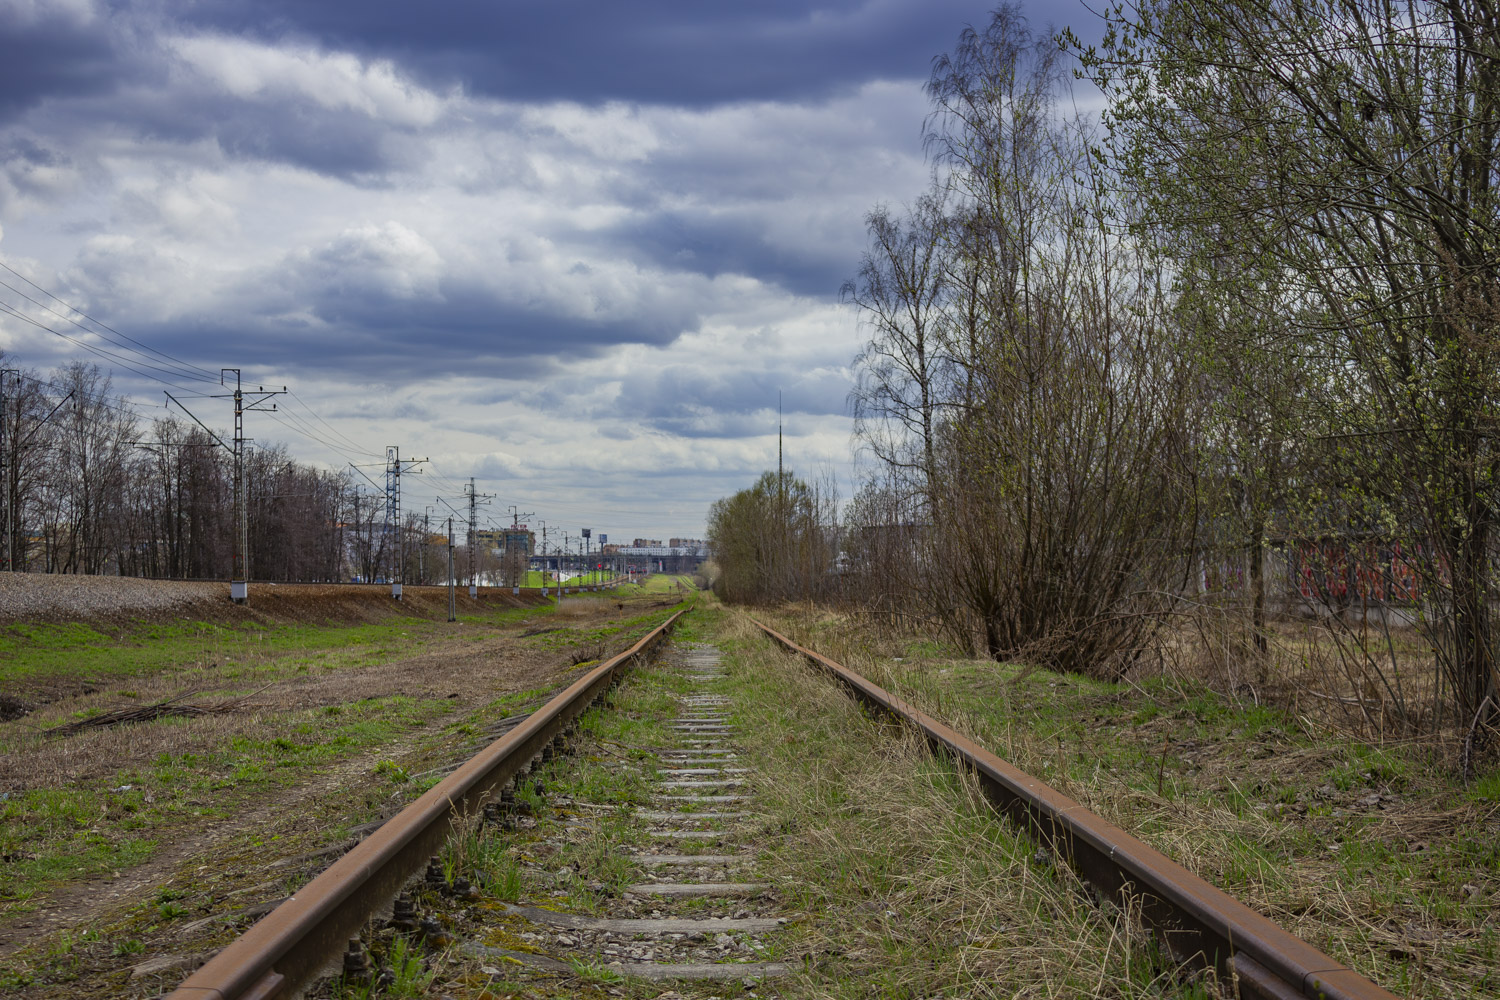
(57, 595)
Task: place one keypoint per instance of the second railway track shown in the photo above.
(715, 831)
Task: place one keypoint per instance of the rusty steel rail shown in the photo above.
(1199, 923)
(293, 943)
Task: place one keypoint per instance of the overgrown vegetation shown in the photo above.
(1351, 844)
(772, 541)
(1211, 382)
(904, 881)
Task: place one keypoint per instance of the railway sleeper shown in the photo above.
(691, 910)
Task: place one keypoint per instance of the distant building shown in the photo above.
(660, 558)
(505, 553)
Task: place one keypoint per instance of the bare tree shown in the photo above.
(899, 372)
(26, 411)
(1028, 374)
(85, 491)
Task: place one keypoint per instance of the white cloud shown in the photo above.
(255, 72)
(387, 256)
(528, 210)
(24, 13)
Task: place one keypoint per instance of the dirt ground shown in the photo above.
(219, 856)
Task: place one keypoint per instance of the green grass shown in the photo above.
(89, 829)
(908, 883)
(33, 652)
(537, 578)
(1338, 839)
(662, 583)
(213, 767)
(628, 630)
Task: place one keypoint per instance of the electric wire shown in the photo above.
(127, 363)
(296, 424)
(280, 416)
(207, 374)
(183, 373)
(125, 406)
(352, 443)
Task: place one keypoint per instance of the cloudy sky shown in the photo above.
(571, 248)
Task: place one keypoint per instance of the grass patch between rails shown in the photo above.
(905, 882)
(580, 869)
(1375, 853)
(630, 630)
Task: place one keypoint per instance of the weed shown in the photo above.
(592, 972)
(411, 977)
(1333, 834)
(390, 769)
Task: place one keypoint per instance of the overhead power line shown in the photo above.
(127, 363)
(352, 443)
(300, 427)
(201, 373)
(123, 405)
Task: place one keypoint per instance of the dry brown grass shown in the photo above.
(905, 872)
(1370, 848)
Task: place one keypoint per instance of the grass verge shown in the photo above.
(1372, 851)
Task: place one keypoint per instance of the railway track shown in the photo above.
(647, 861)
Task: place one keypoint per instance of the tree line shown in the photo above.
(1223, 359)
(91, 487)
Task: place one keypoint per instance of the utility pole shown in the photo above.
(394, 466)
(8, 448)
(452, 599)
(426, 537)
(239, 584)
(239, 587)
(475, 500)
(587, 569)
(510, 561)
(544, 553)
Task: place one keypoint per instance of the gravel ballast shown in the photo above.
(66, 595)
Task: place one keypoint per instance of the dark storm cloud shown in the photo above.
(289, 128)
(361, 335)
(54, 52)
(351, 147)
(681, 52)
(691, 401)
(735, 244)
